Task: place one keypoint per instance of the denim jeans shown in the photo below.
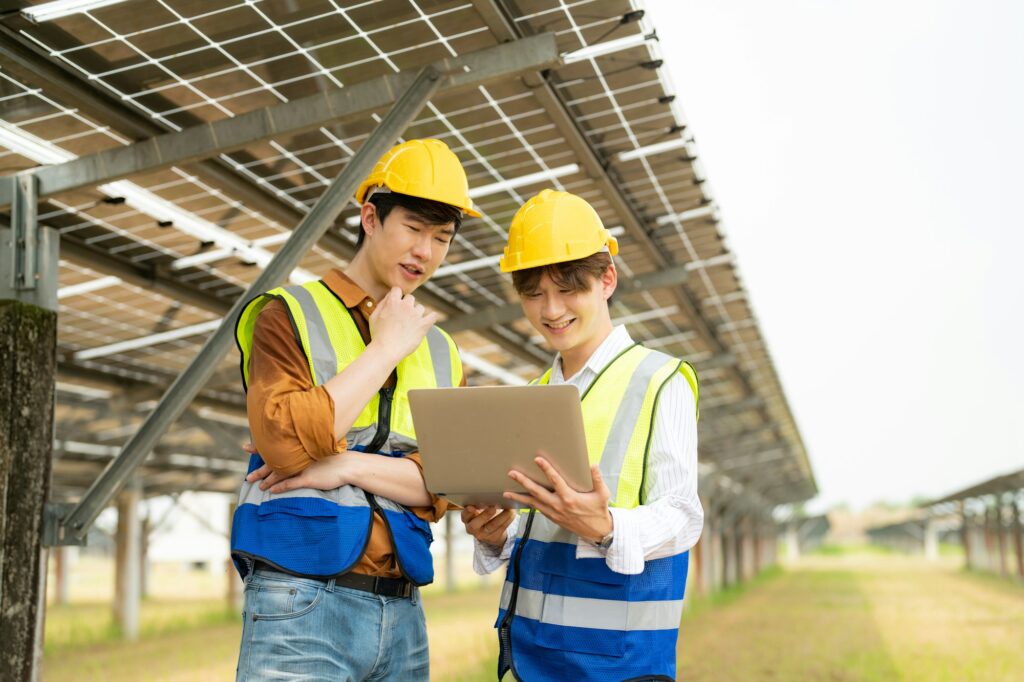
(301, 629)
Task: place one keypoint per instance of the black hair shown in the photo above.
(429, 211)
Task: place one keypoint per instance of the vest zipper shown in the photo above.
(383, 420)
(505, 631)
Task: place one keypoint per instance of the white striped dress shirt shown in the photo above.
(671, 519)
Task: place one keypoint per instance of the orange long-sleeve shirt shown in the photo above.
(292, 421)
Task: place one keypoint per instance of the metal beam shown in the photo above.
(716, 362)
(305, 235)
(503, 314)
(732, 464)
(25, 61)
(210, 139)
(727, 409)
(719, 439)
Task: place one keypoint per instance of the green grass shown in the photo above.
(847, 615)
(84, 625)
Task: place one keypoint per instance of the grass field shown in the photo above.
(837, 616)
(865, 617)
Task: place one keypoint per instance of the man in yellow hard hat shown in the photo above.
(595, 579)
(332, 533)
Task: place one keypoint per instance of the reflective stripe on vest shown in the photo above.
(324, 533)
(330, 340)
(575, 618)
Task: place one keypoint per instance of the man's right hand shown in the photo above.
(399, 324)
(488, 524)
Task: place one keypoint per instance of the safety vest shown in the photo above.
(563, 618)
(323, 533)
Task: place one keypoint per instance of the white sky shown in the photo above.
(868, 157)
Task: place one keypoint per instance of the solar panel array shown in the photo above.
(150, 263)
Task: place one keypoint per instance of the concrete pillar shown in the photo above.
(755, 534)
(990, 545)
(60, 575)
(997, 514)
(1018, 535)
(28, 342)
(707, 553)
(730, 554)
(747, 548)
(695, 569)
(965, 534)
(144, 532)
(128, 564)
(931, 540)
(234, 582)
(717, 558)
(792, 541)
(449, 552)
(979, 548)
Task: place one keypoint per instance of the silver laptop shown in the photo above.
(470, 438)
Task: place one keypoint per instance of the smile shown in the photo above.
(559, 327)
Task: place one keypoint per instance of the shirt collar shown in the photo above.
(616, 342)
(350, 293)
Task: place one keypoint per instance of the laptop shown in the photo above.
(470, 438)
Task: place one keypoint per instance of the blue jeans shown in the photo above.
(301, 629)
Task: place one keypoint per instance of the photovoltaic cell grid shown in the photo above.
(183, 63)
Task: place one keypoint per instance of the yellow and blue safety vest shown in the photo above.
(563, 618)
(323, 533)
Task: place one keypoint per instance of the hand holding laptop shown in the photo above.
(585, 513)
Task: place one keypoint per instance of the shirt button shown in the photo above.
(369, 304)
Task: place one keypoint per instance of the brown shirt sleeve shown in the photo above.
(292, 421)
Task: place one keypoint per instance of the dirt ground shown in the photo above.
(842, 617)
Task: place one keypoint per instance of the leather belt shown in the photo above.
(387, 587)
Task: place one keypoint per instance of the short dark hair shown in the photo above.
(429, 211)
(575, 275)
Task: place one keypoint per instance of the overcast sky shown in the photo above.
(867, 156)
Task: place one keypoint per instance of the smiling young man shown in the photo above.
(331, 533)
(595, 581)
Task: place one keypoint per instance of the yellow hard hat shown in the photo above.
(554, 227)
(422, 168)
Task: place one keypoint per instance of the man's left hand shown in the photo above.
(324, 474)
(264, 474)
(585, 514)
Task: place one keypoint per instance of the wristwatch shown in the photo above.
(605, 542)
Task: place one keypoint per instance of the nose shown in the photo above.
(421, 247)
(553, 308)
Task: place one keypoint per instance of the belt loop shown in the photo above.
(414, 594)
(330, 584)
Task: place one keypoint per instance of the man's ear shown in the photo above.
(368, 216)
(609, 280)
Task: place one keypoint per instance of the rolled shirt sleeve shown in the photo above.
(671, 519)
(292, 421)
